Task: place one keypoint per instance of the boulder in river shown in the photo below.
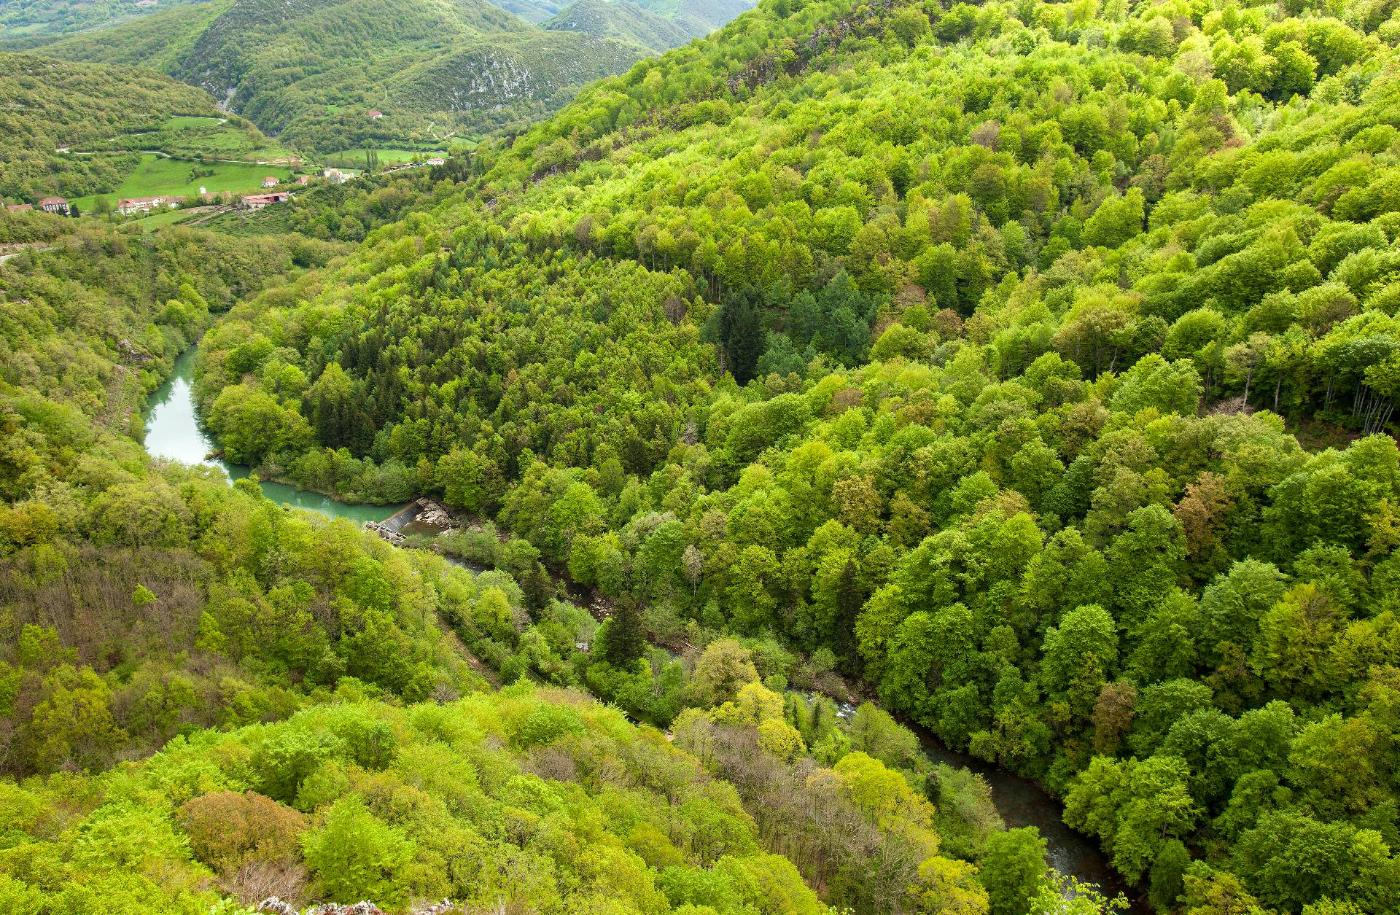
(432, 514)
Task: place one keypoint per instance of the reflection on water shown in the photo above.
(173, 432)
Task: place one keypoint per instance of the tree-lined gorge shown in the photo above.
(1018, 377)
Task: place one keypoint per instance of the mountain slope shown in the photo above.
(622, 20)
(30, 20)
(52, 104)
(157, 41)
(1036, 364)
(311, 71)
(207, 699)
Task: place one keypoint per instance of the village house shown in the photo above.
(335, 176)
(303, 180)
(17, 207)
(435, 160)
(270, 181)
(54, 205)
(258, 201)
(129, 205)
(375, 114)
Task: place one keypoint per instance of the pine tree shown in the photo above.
(741, 331)
(621, 641)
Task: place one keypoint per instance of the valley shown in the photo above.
(911, 458)
(173, 433)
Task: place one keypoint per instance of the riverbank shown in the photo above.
(1018, 800)
(173, 432)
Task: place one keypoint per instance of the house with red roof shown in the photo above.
(258, 201)
(129, 205)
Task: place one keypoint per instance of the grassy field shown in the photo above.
(355, 158)
(164, 218)
(194, 136)
(158, 175)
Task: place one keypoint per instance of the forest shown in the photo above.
(312, 705)
(1020, 373)
(1054, 405)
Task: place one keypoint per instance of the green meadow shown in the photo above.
(355, 158)
(183, 121)
(159, 175)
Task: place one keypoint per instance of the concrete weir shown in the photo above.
(423, 514)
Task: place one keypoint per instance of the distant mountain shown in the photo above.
(625, 21)
(27, 21)
(536, 11)
(698, 16)
(332, 74)
(508, 77)
(695, 17)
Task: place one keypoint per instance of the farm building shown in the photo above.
(258, 201)
(128, 205)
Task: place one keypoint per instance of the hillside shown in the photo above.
(622, 20)
(24, 21)
(1036, 365)
(698, 16)
(294, 701)
(75, 129)
(157, 41)
(310, 72)
(207, 700)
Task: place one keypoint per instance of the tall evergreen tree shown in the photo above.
(741, 333)
(622, 641)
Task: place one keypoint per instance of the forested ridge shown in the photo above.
(310, 71)
(1032, 363)
(1025, 370)
(207, 700)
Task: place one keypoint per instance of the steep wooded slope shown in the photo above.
(1023, 298)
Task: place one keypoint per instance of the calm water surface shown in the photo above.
(173, 432)
(1021, 802)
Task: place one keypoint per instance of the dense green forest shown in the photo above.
(316, 700)
(1032, 363)
(1025, 372)
(310, 72)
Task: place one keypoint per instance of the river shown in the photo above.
(1021, 802)
(173, 432)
